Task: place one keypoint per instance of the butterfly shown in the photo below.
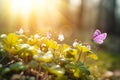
(99, 37)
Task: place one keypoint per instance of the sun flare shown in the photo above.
(25, 7)
(36, 13)
(22, 6)
(30, 10)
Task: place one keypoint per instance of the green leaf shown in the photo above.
(33, 64)
(78, 69)
(5, 70)
(0, 68)
(64, 60)
(61, 78)
(70, 66)
(18, 66)
(56, 70)
(32, 78)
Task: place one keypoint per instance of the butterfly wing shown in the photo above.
(96, 33)
(99, 39)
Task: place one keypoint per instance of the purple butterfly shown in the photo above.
(98, 37)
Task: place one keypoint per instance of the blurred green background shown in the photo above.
(74, 18)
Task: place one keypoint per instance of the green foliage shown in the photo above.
(42, 56)
(79, 70)
(18, 66)
(56, 69)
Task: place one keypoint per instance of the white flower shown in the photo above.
(21, 31)
(49, 35)
(24, 46)
(36, 36)
(60, 37)
(48, 55)
(89, 47)
(75, 43)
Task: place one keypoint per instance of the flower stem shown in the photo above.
(79, 56)
(84, 59)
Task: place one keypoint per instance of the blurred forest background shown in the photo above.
(74, 18)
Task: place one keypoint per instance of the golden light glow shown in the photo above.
(36, 14)
(25, 7)
(22, 6)
(75, 2)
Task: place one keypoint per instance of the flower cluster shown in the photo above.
(59, 61)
